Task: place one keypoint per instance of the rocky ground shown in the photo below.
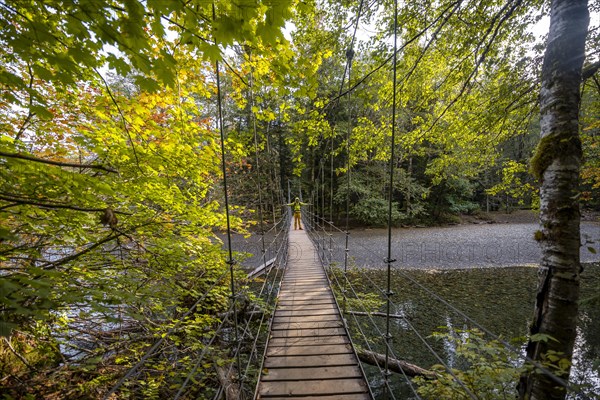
(487, 240)
(518, 217)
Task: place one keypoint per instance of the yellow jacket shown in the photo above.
(296, 205)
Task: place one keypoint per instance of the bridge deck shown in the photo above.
(309, 354)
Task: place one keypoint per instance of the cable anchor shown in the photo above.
(350, 54)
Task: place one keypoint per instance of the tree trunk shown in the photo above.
(556, 163)
(231, 389)
(395, 365)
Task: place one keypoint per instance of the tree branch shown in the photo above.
(58, 163)
(590, 71)
(19, 356)
(20, 200)
(30, 114)
(64, 260)
(388, 59)
(394, 365)
(123, 120)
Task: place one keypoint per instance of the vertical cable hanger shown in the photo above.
(260, 199)
(348, 69)
(349, 57)
(389, 259)
(230, 260)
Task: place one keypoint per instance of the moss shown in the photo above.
(539, 236)
(550, 148)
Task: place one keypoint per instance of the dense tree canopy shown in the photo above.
(111, 201)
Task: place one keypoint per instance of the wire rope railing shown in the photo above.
(322, 226)
(150, 352)
(267, 293)
(270, 289)
(385, 373)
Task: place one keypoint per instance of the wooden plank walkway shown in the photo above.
(309, 354)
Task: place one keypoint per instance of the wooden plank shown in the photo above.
(290, 313)
(312, 387)
(305, 278)
(310, 299)
(308, 341)
(296, 290)
(305, 281)
(305, 318)
(305, 275)
(321, 349)
(306, 296)
(306, 325)
(357, 396)
(306, 306)
(299, 289)
(313, 361)
(292, 290)
(294, 374)
(304, 271)
(307, 289)
(291, 333)
(300, 305)
(294, 302)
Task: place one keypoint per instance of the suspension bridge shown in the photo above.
(309, 352)
(300, 341)
(305, 342)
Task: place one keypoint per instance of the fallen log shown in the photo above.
(378, 314)
(229, 387)
(394, 364)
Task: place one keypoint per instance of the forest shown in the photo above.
(136, 136)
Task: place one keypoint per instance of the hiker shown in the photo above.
(296, 206)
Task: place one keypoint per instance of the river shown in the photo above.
(485, 271)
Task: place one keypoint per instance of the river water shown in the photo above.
(486, 274)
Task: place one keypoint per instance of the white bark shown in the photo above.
(556, 163)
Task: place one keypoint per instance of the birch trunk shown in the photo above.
(556, 163)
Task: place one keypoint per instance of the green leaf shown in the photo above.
(542, 337)
(5, 234)
(6, 328)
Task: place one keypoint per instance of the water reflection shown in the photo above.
(500, 299)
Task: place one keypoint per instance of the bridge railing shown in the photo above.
(361, 299)
(236, 366)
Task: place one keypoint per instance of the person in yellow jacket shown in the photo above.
(297, 206)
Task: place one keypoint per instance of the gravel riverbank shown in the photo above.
(468, 245)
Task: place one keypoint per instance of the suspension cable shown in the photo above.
(230, 260)
(272, 292)
(260, 200)
(347, 67)
(389, 259)
(461, 313)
